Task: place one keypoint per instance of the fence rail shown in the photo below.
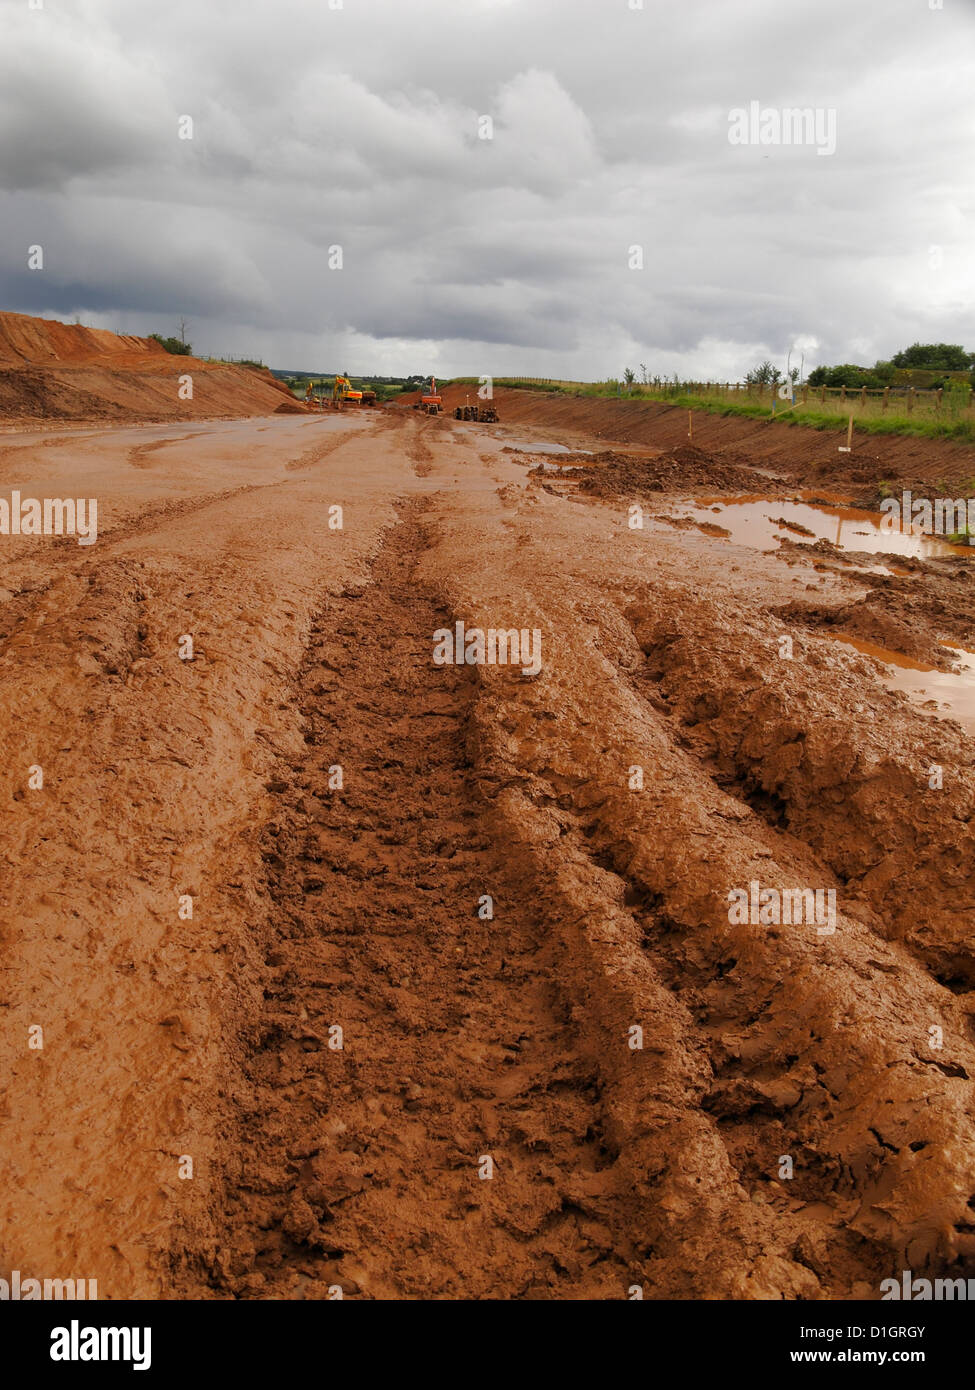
(952, 400)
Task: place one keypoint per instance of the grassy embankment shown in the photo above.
(953, 417)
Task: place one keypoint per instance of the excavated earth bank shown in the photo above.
(53, 372)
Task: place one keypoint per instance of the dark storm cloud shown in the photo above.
(359, 126)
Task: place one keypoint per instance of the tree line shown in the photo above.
(938, 358)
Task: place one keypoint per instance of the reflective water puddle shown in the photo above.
(760, 522)
(954, 691)
(524, 446)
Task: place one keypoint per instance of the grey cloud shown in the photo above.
(359, 127)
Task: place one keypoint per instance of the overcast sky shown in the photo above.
(361, 126)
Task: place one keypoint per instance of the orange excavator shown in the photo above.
(431, 402)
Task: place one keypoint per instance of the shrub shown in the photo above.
(174, 345)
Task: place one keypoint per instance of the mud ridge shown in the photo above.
(360, 1167)
(779, 734)
(767, 1041)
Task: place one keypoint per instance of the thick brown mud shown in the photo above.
(462, 1009)
(416, 1117)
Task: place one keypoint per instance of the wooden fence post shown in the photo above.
(863, 396)
(842, 394)
(886, 399)
(910, 399)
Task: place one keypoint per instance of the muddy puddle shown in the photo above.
(525, 446)
(563, 468)
(760, 522)
(953, 691)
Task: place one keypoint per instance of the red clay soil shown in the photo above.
(59, 371)
(793, 450)
(361, 975)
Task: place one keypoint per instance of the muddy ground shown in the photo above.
(394, 1051)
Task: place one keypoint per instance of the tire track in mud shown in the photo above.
(747, 1089)
(35, 602)
(757, 1029)
(137, 456)
(77, 583)
(360, 1167)
(320, 451)
(800, 754)
(419, 452)
(64, 549)
(27, 605)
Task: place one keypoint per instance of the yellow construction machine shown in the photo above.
(342, 393)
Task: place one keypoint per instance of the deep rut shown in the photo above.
(363, 1166)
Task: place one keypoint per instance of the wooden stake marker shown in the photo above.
(849, 439)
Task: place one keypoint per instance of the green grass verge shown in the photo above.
(835, 419)
(812, 419)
